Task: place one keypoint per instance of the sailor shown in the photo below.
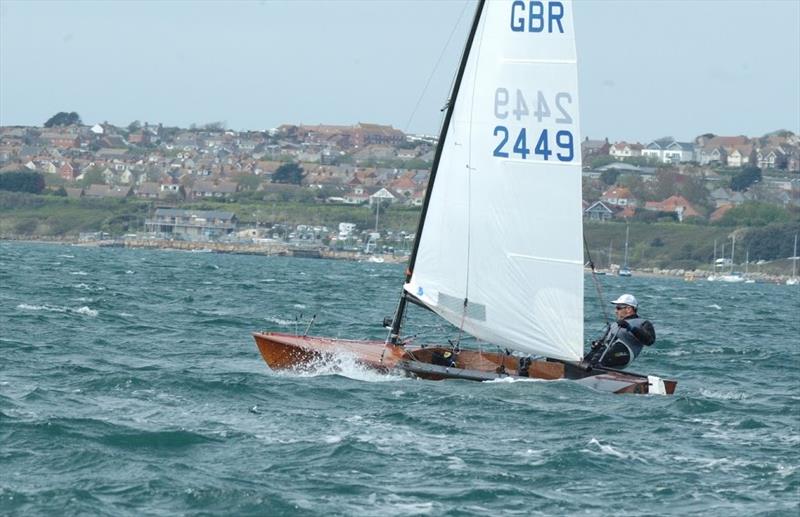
(625, 338)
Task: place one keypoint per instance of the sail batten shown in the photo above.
(500, 255)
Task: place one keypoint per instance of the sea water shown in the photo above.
(130, 385)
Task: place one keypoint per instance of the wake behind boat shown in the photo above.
(487, 259)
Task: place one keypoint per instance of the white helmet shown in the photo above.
(627, 299)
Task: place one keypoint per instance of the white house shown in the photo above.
(382, 195)
(622, 150)
(668, 150)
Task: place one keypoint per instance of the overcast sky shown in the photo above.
(647, 68)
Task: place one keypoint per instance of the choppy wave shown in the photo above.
(131, 394)
(86, 311)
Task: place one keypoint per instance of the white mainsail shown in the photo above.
(503, 227)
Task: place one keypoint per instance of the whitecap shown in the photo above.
(51, 308)
(129, 272)
(79, 273)
(278, 321)
(332, 439)
(456, 463)
(607, 449)
(714, 306)
(674, 353)
(724, 395)
(299, 306)
(66, 256)
(29, 307)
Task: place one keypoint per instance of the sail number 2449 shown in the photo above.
(543, 145)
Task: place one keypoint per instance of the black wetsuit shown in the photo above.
(620, 346)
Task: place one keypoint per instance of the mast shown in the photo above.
(714, 260)
(747, 262)
(401, 306)
(733, 251)
(627, 233)
(377, 215)
(794, 258)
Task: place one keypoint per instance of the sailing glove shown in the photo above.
(623, 324)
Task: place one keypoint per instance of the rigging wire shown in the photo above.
(596, 282)
(436, 67)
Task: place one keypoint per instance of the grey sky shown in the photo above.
(647, 68)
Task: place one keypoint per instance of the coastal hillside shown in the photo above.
(765, 232)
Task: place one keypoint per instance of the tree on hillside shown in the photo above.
(288, 173)
(754, 213)
(773, 241)
(22, 181)
(62, 118)
(609, 177)
(635, 184)
(665, 184)
(249, 182)
(695, 191)
(591, 190)
(93, 176)
(746, 177)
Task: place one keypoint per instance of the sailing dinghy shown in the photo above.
(498, 249)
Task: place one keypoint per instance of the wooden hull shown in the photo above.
(308, 353)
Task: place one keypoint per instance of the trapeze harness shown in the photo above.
(619, 347)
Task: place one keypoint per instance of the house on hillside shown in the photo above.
(209, 189)
(771, 158)
(709, 155)
(107, 191)
(417, 198)
(669, 150)
(677, 204)
(191, 224)
(384, 194)
(599, 211)
(357, 195)
(66, 171)
(618, 196)
(739, 156)
(622, 150)
(592, 148)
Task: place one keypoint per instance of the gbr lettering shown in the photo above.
(537, 16)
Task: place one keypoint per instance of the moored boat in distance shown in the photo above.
(625, 270)
(794, 280)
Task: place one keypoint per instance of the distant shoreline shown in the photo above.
(284, 249)
(265, 249)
